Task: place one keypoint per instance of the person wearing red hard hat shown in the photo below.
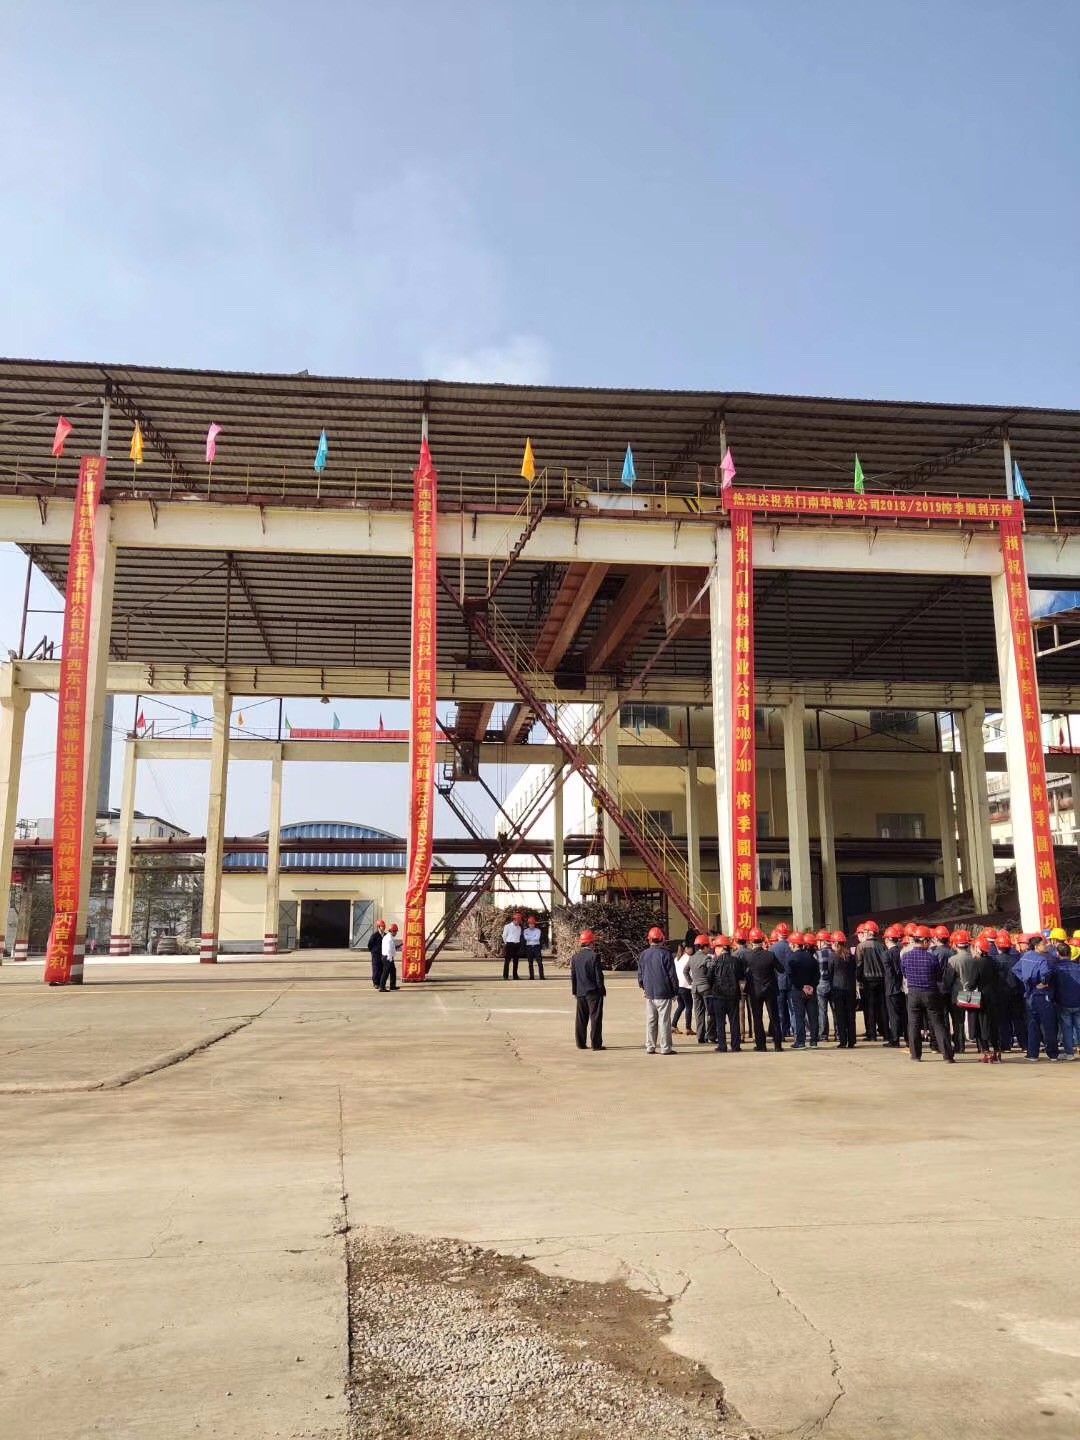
(763, 973)
(727, 983)
(837, 959)
(970, 981)
(659, 984)
(1012, 1009)
(782, 948)
(698, 972)
(923, 968)
(870, 962)
(588, 989)
(803, 999)
(391, 947)
(895, 999)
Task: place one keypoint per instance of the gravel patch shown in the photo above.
(449, 1341)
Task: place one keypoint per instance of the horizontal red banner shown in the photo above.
(298, 734)
(884, 507)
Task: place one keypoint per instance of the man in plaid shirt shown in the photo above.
(922, 970)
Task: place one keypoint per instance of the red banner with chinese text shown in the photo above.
(883, 506)
(1012, 547)
(422, 737)
(743, 749)
(64, 958)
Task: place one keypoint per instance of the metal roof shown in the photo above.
(271, 425)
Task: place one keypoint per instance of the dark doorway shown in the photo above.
(324, 924)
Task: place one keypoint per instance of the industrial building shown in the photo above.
(588, 626)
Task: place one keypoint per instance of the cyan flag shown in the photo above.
(629, 475)
(1019, 488)
(322, 453)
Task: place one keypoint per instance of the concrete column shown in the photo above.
(97, 674)
(609, 778)
(980, 846)
(693, 823)
(273, 859)
(12, 726)
(722, 679)
(950, 864)
(215, 828)
(124, 882)
(960, 794)
(1012, 709)
(802, 888)
(558, 834)
(830, 879)
(22, 919)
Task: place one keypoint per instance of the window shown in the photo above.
(663, 820)
(774, 875)
(901, 827)
(894, 722)
(764, 825)
(642, 717)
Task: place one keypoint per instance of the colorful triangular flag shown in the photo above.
(211, 443)
(136, 451)
(64, 428)
(727, 470)
(860, 481)
(629, 474)
(381, 725)
(1020, 490)
(337, 722)
(322, 453)
(194, 719)
(288, 724)
(240, 718)
(528, 462)
(140, 721)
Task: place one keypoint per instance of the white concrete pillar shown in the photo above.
(1013, 705)
(609, 778)
(97, 674)
(693, 822)
(802, 888)
(950, 863)
(124, 881)
(722, 681)
(13, 708)
(830, 878)
(980, 846)
(960, 798)
(558, 834)
(273, 858)
(215, 828)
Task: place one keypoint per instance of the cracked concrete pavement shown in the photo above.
(852, 1245)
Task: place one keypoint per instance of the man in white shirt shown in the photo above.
(512, 933)
(532, 942)
(390, 946)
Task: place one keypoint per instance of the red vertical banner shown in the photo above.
(1012, 548)
(742, 750)
(64, 958)
(422, 727)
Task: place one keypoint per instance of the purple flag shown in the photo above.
(727, 469)
(211, 443)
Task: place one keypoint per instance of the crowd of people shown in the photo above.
(995, 991)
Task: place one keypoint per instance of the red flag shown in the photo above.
(140, 723)
(64, 428)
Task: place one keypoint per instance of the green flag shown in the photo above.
(288, 724)
(860, 483)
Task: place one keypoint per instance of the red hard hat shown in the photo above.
(894, 932)
(796, 937)
(701, 939)
(656, 933)
(783, 929)
(722, 942)
(393, 929)
(740, 935)
(756, 934)
(983, 942)
(941, 932)
(824, 935)
(870, 926)
(532, 919)
(1003, 938)
(838, 937)
(922, 932)
(588, 937)
(963, 937)
(911, 928)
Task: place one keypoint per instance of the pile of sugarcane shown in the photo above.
(620, 926)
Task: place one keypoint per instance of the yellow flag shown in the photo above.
(240, 718)
(528, 463)
(136, 451)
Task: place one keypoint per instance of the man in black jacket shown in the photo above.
(660, 984)
(870, 968)
(588, 988)
(374, 945)
(762, 975)
(728, 978)
(895, 999)
(804, 973)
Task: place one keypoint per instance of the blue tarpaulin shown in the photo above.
(1047, 603)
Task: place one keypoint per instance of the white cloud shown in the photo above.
(520, 360)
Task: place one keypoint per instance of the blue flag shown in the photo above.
(1019, 488)
(337, 722)
(629, 475)
(321, 453)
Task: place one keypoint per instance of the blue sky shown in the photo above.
(828, 198)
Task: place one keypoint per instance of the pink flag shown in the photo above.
(64, 428)
(140, 722)
(211, 443)
(727, 469)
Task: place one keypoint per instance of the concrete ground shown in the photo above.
(853, 1246)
